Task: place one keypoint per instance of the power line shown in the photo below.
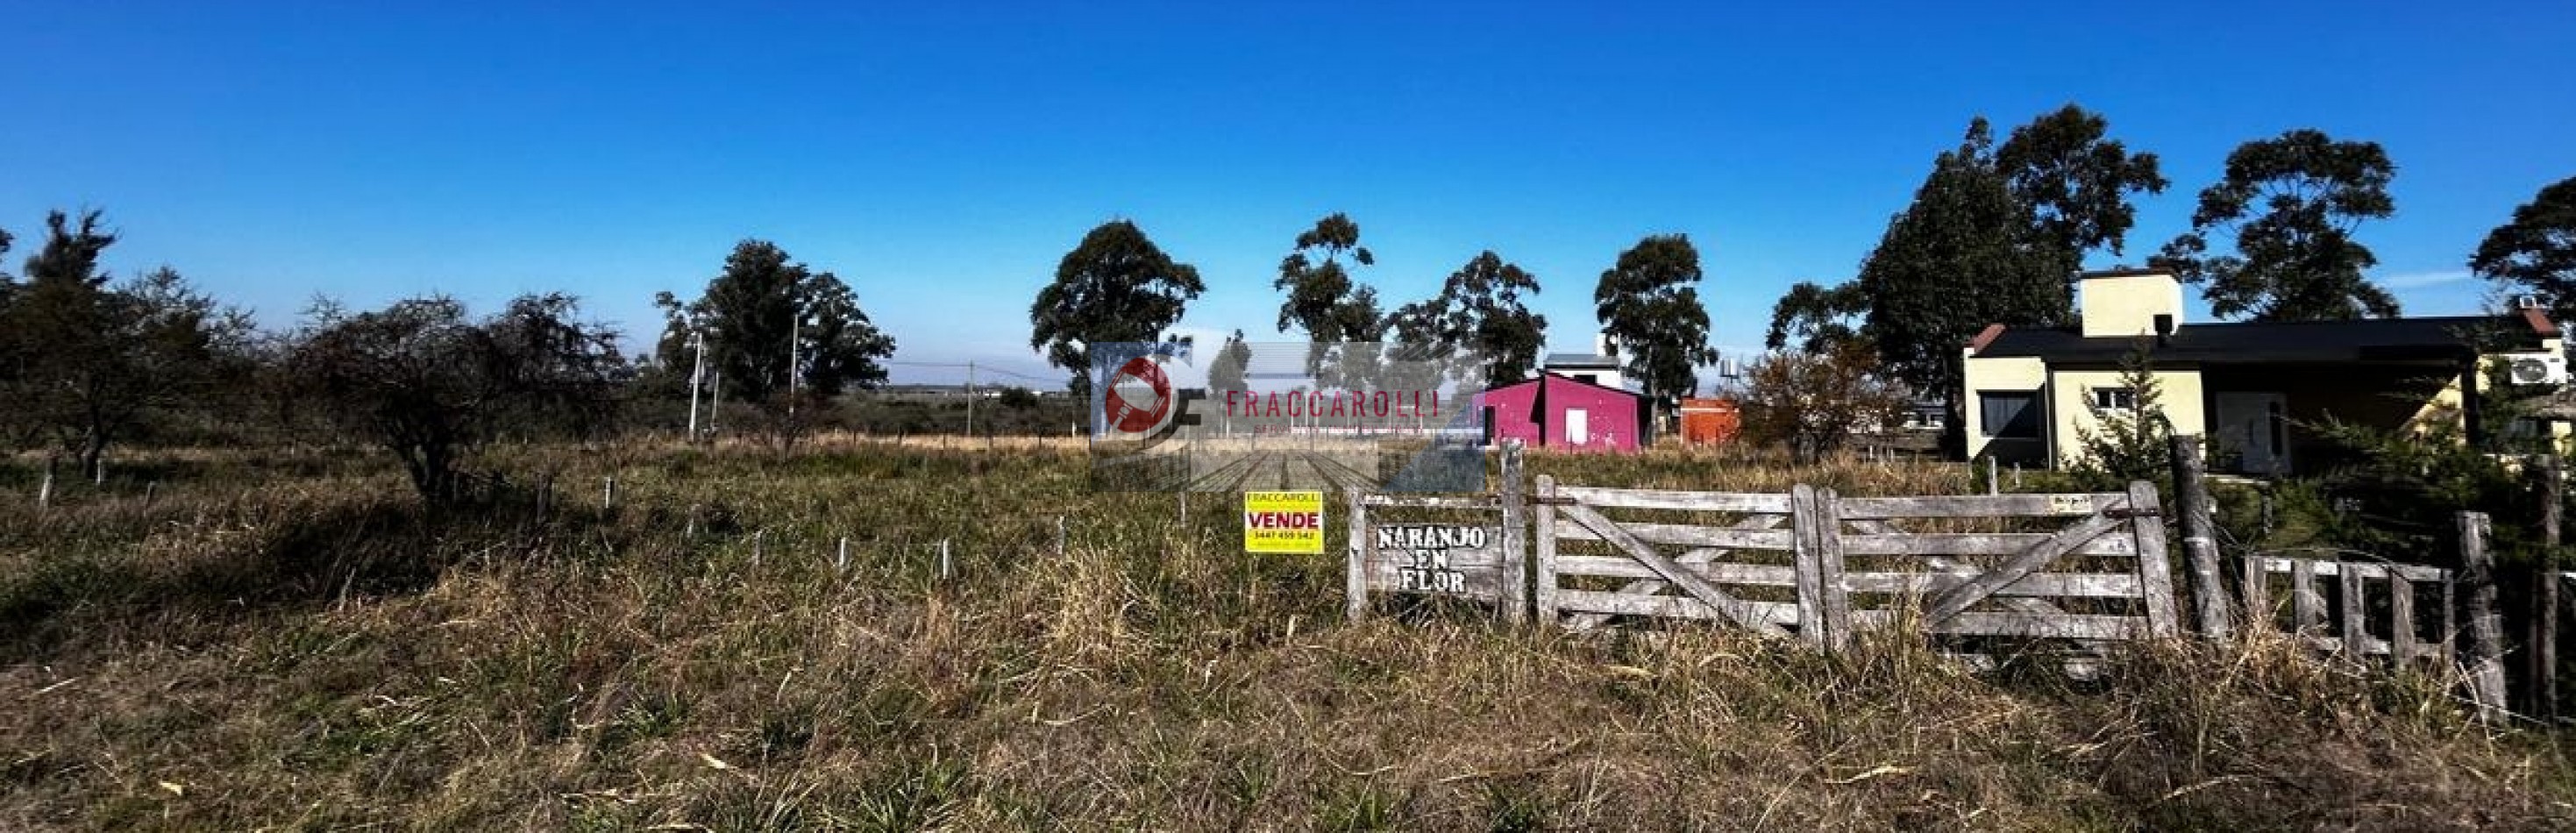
(977, 367)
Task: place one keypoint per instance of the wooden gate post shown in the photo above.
(1824, 603)
(1543, 573)
(2544, 604)
(1809, 567)
(1825, 509)
(1358, 581)
(2256, 586)
(2485, 661)
(2199, 538)
(1515, 601)
(2155, 574)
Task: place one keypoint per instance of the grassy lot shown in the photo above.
(283, 641)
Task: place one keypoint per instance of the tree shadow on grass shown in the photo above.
(351, 549)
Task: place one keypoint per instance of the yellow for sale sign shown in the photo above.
(1288, 522)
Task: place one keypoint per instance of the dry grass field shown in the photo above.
(282, 641)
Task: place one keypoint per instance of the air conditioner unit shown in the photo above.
(2534, 368)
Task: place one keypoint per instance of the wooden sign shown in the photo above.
(1440, 559)
(1446, 546)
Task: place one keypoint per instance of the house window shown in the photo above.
(2009, 414)
(2115, 399)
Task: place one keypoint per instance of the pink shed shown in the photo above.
(1576, 416)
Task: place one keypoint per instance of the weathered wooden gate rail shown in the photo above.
(2355, 585)
(1820, 566)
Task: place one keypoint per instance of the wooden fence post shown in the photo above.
(1543, 573)
(2307, 607)
(1515, 601)
(2401, 615)
(2199, 538)
(1809, 569)
(2256, 585)
(2155, 573)
(2544, 620)
(1993, 485)
(608, 493)
(1826, 506)
(2486, 632)
(2356, 599)
(1059, 536)
(841, 556)
(45, 490)
(946, 568)
(1356, 583)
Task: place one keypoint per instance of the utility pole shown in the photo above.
(697, 379)
(970, 397)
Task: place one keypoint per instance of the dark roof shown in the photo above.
(1579, 360)
(2383, 339)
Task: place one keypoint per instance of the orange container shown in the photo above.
(1710, 421)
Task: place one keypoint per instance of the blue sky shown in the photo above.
(943, 157)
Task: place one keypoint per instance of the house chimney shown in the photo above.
(2130, 302)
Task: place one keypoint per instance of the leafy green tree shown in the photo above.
(2073, 184)
(1816, 317)
(767, 319)
(2537, 250)
(1649, 305)
(1323, 300)
(1226, 371)
(94, 360)
(839, 347)
(432, 385)
(1953, 262)
(2291, 203)
(1995, 235)
(1116, 286)
(1481, 309)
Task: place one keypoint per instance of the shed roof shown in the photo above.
(1567, 380)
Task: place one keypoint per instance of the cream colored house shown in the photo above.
(2252, 388)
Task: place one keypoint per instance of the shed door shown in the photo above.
(1578, 426)
(2255, 428)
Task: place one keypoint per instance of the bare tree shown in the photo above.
(1814, 402)
(432, 385)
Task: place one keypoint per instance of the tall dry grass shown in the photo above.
(289, 645)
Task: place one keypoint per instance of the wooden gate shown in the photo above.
(1734, 557)
(2086, 567)
(1812, 564)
